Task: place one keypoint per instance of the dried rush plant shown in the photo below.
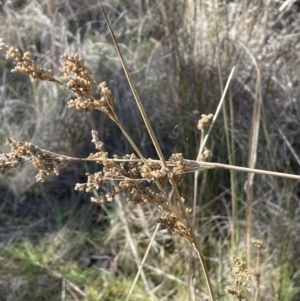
(130, 172)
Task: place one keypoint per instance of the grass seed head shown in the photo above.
(24, 63)
(176, 226)
(204, 121)
(241, 277)
(45, 161)
(258, 244)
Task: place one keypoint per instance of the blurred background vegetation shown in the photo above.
(57, 245)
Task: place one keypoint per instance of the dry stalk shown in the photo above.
(258, 245)
(255, 123)
(202, 124)
(142, 263)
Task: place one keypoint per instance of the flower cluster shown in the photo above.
(45, 161)
(81, 82)
(10, 161)
(241, 277)
(204, 121)
(25, 64)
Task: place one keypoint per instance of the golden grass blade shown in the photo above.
(255, 122)
(216, 113)
(229, 141)
(135, 93)
(142, 263)
(130, 241)
(246, 169)
(207, 135)
(143, 113)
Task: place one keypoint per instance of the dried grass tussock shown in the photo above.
(145, 180)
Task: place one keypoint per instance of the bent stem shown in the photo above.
(142, 263)
(204, 140)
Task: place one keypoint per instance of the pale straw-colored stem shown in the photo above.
(195, 166)
(208, 133)
(142, 263)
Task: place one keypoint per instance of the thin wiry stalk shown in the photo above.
(135, 93)
(196, 179)
(288, 144)
(217, 113)
(252, 154)
(257, 244)
(194, 166)
(208, 133)
(246, 169)
(142, 263)
(196, 245)
(227, 135)
(131, 243)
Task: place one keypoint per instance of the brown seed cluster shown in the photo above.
(257, 243)
(241, 277)
(25, 64)
(206, 155)
(106, 102)
(131, 174)
(204, 121)
(10, 161)
(125, 174)
(45, 161)
(80, 79)
(81, 82)
(176, 226)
